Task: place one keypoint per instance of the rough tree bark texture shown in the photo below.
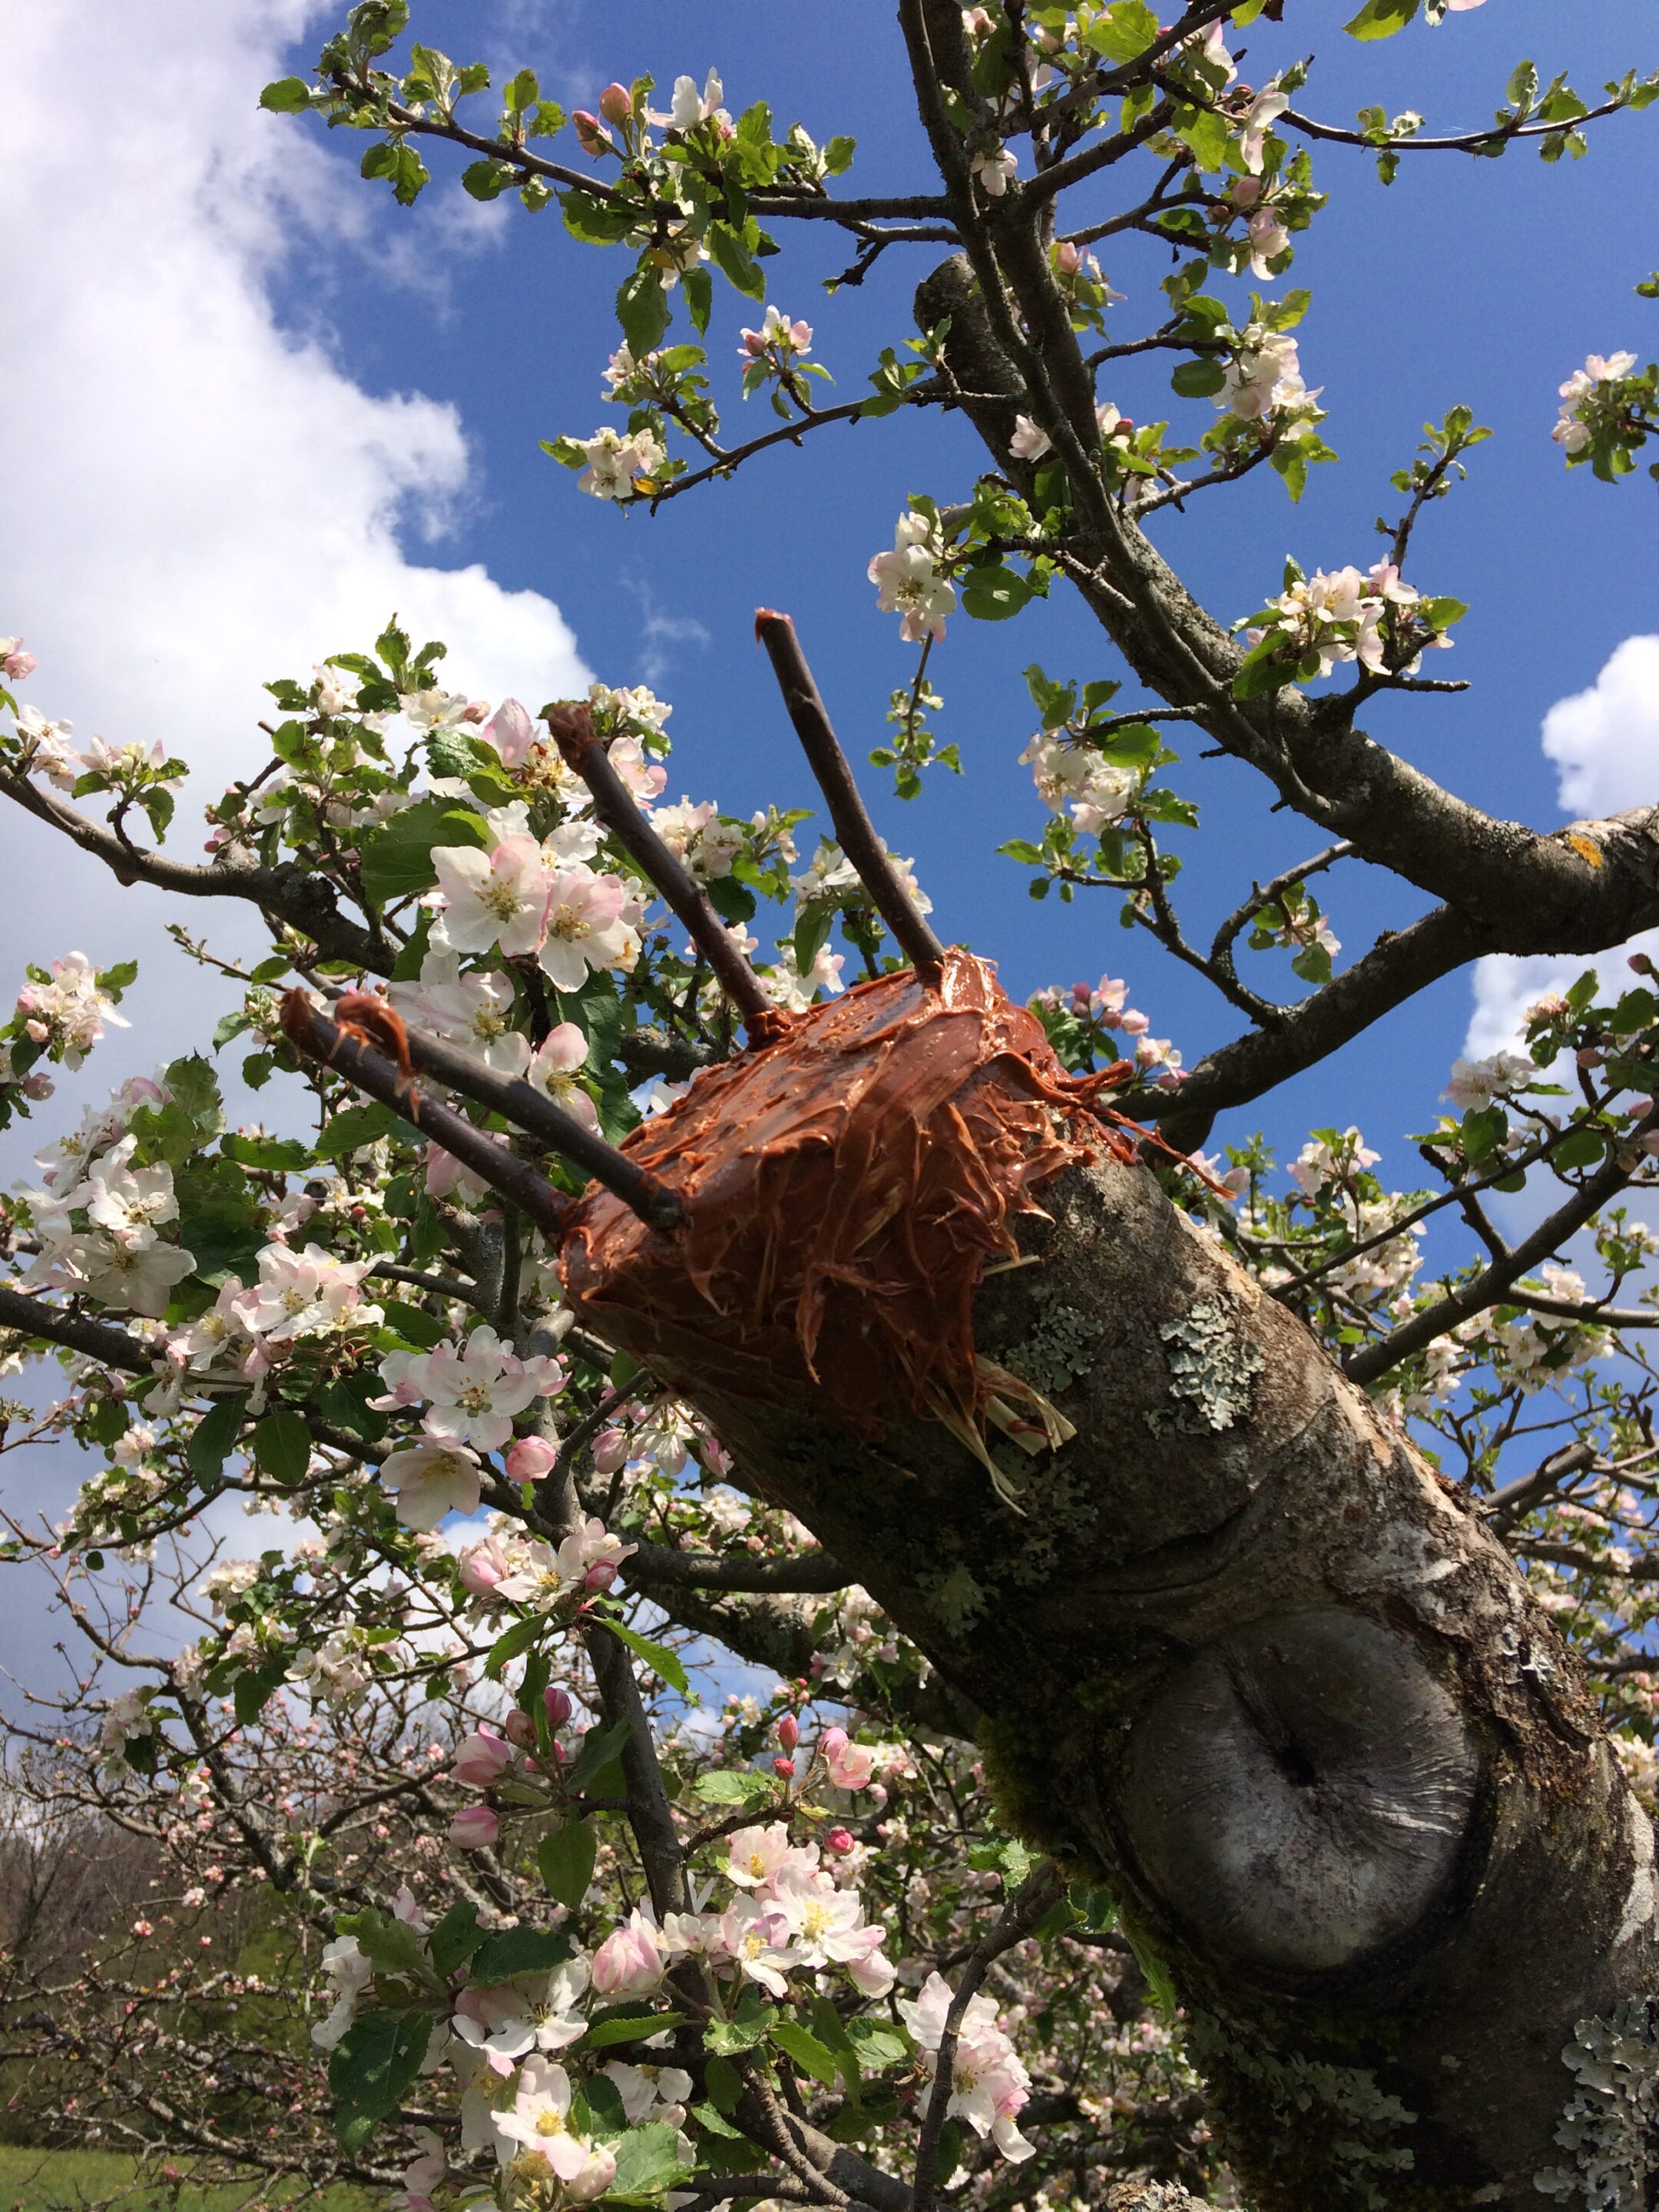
(1238, 1647)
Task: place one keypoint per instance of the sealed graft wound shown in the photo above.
(843, 1190)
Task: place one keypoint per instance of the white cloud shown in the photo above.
(195, 498)
(1605, 743)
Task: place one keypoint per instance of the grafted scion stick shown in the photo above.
(530, 1109)
(573, 732)
(854, 830)
(345, 1044)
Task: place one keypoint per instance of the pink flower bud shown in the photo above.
(1638, 961)
(610, 1451)
(616, 103)
(17, 666)
(557, 1702)
(788, 1731)
(1068, 259)
(785, 1768)
(531, 1458)
(591, 136)
(630, 1962)
(479, 1568)
(521, 1730)
(839, 1839)
(475, 1829)
(1588, 1056)
(600, 1574)
(848, 1765)
(482, 1759)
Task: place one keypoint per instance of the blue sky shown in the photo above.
(1467, 281)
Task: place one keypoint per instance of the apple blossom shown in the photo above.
(995, 168)
(539, 2124)
(1264, 111)
(849, 1765)
(614, 461)
(472, 1390)
(587, 928)
(350, 1970)
(429, 1481)
(46, 748)
(299, 1294)
(561, 1052)
(691, 107)
(908, 582)
(495, 899)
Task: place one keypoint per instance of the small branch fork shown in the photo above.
(344, 1045)
(572, 727)
(854, 830)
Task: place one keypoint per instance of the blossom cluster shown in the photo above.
(1317, 622)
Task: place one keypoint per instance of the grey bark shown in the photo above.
(1245, 1656)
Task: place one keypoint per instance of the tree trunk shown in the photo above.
(1243, 1654)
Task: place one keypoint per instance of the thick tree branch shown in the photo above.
(1492, 1284)
(305, 900)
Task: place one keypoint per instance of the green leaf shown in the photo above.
(396, 860)
(642, 309)
(358, 1126)
(657, 1657)
(289, 96)
(630, 2024)
(519, 1637)
(648, 2161)
(456, 1936)
(1199, 378)
(993, 593)
(698, 287)
(599, 1747)
(1124, 30)
(1381, 19)
(1441, 614)
(723, 2037)
(254, 1687)
(372, 2068)
(282, 1155)
(413, 1323)
(518, 1951)
(734, 261)
(878, 2042)
(487, 180)
(1582, 1148)
(281, 1448)
(806, 2051)
(215, 1434)
(521, 92)
(391, 1943)
(566, 1860)
(743, 1787)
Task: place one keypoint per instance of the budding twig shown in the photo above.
(312, 1033)
(520, 1103)
(855, 832)
(573, 732)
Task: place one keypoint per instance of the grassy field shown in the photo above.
(45, 2180)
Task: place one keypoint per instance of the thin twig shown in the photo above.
(572, 727)
(854, 830)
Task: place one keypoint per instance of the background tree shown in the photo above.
(1178, 1492)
